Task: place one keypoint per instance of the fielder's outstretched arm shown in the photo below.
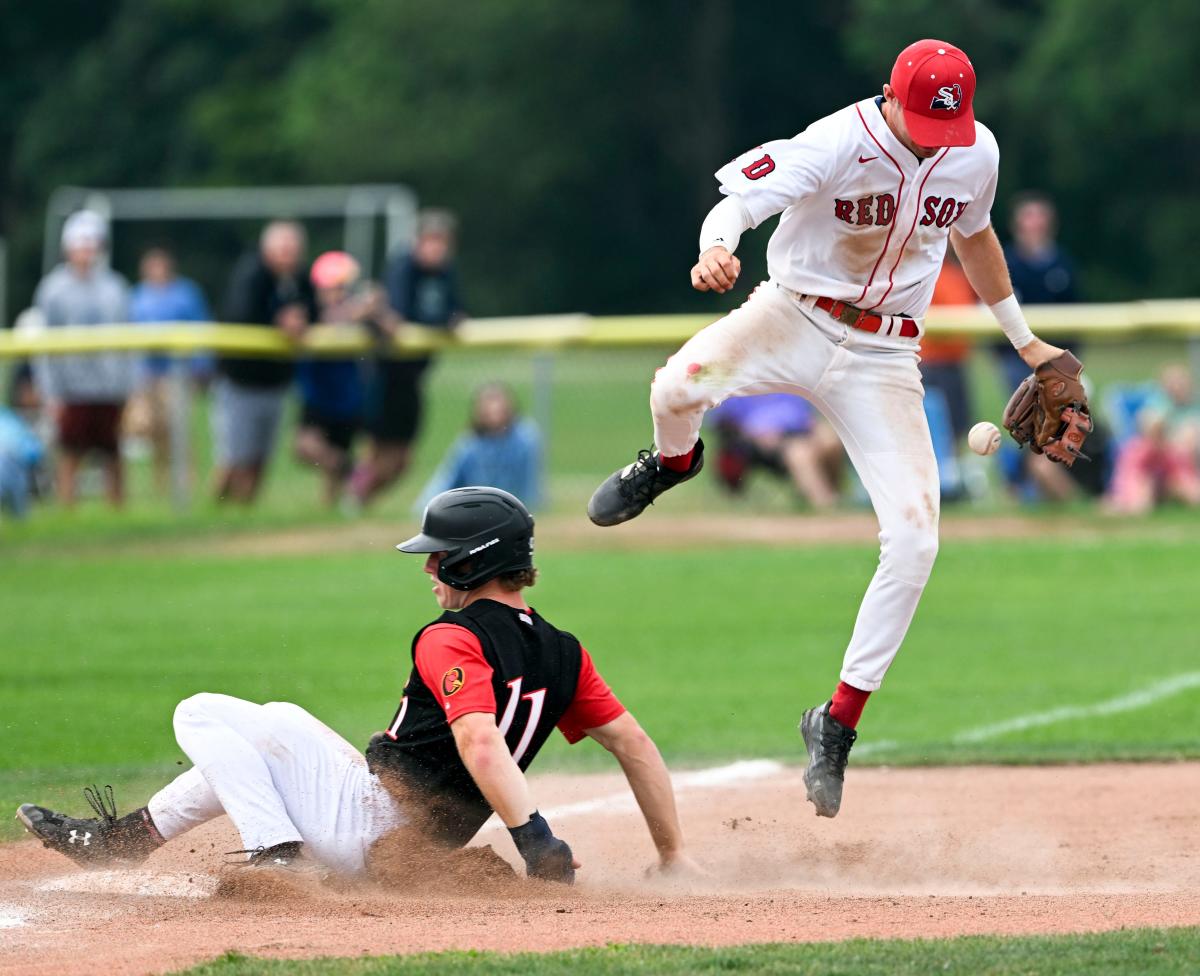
(983, 261)
(650, 782)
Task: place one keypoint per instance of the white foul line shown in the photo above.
(751, 769)
(1166, 688)
(1149, 695)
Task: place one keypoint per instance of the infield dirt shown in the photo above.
(915, 852)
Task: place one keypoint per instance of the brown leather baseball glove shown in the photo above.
(1049, 411)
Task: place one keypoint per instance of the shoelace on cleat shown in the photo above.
(103, 803)
(638, 485)
(837, 748)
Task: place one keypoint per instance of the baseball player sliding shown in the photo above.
(869, 197)
(491, 680)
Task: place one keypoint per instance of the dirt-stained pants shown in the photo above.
(869, 388)
(280, 774)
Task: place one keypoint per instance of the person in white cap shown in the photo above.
(85, 393)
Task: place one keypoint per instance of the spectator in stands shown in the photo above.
(944, 364)
(86, 393)
(331, 390)
(21, 453)
(422, 288)
(1152, 468)
(502, 449)
(1180, 407)
(1042, 274)
(1162, 461)
(161, 295)
(268, 289)
(781, 433)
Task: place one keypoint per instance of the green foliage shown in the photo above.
(1151, 952)
(577, 140)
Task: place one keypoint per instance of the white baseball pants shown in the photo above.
(281, 775)
(869, 388)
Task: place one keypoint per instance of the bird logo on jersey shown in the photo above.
(948, 97)
(452, 680)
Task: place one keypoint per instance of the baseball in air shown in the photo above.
(984, 438)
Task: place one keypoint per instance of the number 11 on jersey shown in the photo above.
(536, 700)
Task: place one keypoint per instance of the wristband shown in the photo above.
(531, 837)
(1012, 320)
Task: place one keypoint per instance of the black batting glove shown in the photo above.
(546, 857)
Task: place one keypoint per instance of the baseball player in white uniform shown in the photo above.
(869, 197)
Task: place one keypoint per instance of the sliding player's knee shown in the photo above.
(197, 708)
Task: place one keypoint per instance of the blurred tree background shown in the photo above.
(577, 140)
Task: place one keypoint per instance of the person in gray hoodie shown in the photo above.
(86, 394)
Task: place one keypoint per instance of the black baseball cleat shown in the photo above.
(285, 855)
(288, 858)
(91, 842)
(828, 742)
(626, 493)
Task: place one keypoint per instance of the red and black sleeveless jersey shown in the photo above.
(534, 676)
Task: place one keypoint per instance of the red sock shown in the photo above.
(682, 463)
(848, 704)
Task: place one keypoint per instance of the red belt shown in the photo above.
(859, 319)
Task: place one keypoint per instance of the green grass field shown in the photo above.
(1148, 952)
(716, 649)
(109, 619)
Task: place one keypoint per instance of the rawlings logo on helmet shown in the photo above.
(948, 97)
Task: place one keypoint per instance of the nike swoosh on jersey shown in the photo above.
(866, 159)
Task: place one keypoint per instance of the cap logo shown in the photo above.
(486, 545)
(452, 680)
(948, 97)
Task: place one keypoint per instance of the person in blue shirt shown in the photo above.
(20, 455)
(501, 450)
(162, 295)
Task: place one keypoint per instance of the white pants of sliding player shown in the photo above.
(869, 388)
(280, 774)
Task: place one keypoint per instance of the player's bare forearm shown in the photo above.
(485, 754)
(648, 779)
(982, 260)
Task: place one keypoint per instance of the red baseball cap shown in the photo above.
(935, 83)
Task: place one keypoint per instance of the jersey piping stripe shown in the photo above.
(899, 202)
(916, 217)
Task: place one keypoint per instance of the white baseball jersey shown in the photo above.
(864, 221)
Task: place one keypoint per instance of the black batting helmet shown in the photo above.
(484, 532)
